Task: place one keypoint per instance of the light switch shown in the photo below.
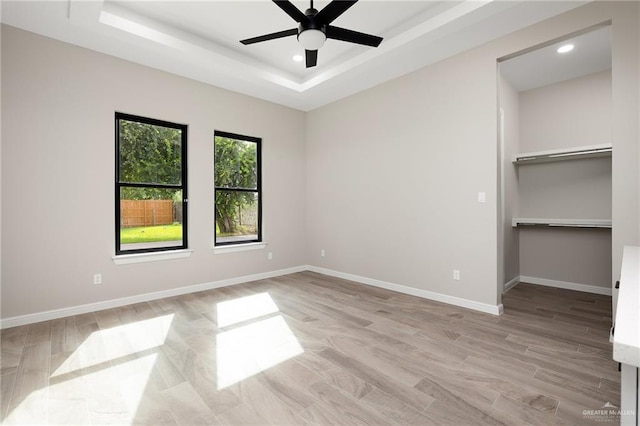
(482, 197)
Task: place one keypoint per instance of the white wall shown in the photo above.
(58, 175)
(393, 172)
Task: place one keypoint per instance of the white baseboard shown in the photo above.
(567, 285)
(439, 297)
(108, 304)
(510, 284)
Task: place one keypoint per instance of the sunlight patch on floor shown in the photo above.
(102, 381)
(245, 308)
(118, 343)
(32, 410)
(249, 349)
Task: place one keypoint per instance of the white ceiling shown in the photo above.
(200, 39)
(544, 66)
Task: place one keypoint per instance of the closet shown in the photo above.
(555, 131)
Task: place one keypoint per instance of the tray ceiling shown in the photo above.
(200, 39)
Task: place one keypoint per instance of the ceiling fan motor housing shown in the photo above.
(310, 23)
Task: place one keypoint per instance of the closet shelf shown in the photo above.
(561, 223)
(575, 153)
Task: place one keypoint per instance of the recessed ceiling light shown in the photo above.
(298, 58)
(566, 48)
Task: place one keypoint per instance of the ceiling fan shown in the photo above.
(314, 28)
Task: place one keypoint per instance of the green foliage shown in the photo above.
(152, 154)
(236, 166)
(149, 154)
(128, 193)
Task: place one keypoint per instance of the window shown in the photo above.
(238, 210)
(151, 185)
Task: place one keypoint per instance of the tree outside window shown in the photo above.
(150, 185)
(237, 189)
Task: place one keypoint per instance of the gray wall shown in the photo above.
(58, 175)
(510, 106)
(1, 262)
(567, 114)
(387, 182)
(571, 113)
(393, 177)
(408, 214)
(580, 256)
(578, 189)
(625, 112)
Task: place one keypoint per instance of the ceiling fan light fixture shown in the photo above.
(312, 39)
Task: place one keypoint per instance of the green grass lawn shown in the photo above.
(150, 234)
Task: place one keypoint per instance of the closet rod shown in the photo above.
(561, 223)
(564, 154)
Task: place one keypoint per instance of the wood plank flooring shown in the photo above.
(306, 349)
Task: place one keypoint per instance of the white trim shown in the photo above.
(590, 151)
(238, 247)
(626, 340)
(108, 304)
(127, 259)
(576, 223)
(567, 285)
(510, 284)
(439, 297)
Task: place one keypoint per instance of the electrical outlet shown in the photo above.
(97, 278)
(322, 253)
(269, 255)
(456, 275)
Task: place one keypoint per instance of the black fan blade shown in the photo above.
(272, 36)
(312, 58)
(333, 10)
(344, 34)
(290, 9)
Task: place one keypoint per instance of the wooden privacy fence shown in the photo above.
(146, 212)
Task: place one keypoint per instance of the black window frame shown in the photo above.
(182, 186)
(258, 190)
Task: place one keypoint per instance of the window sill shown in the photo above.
(125, 259)
(239, 247)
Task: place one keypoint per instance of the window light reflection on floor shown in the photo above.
(252, 346)
(110, 368)
(104, 379)
(234, 311)
(119, 343)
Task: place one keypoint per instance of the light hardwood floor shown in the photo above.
(310, 349)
